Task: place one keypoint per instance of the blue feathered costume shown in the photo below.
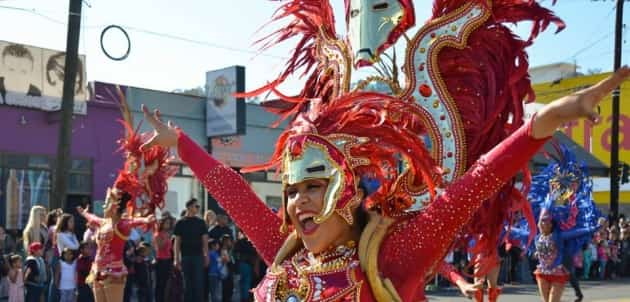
(561, 195)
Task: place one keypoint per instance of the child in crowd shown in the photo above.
(35, 274)
(214, 270)
(66, 276)
(602, 257)
(16, 279)
(84, 264)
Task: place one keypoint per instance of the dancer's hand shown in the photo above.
(581, 104)
(82, 211)
(469, 289)
(164, 135)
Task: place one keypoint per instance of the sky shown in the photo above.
(173, 43)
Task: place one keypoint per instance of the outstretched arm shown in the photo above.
(449, 272)
(415, 245)
(566, 235)
(418, 243)
(232, 192)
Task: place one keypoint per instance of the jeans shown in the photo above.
(193, 269)
(53, 293)
(67, 295)
(247, 275)
(214, 288)
(33, 293)
(602, 269)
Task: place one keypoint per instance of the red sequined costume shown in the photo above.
(143, 183)
(414, 244)
(110, 241)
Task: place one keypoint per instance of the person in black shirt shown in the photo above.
(191, 251)
(221, 228)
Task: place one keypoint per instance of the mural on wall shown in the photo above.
(33, 77)
(23, 189)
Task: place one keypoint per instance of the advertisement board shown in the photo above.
(225, 114)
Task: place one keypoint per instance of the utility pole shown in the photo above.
(67, 106)
(614, 153)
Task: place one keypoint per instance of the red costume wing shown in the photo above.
(488, 80)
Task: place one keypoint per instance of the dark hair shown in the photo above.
(191, 202)
(122, 203)
(62, 224)
(51, 218)
(56, 64)
(84, 244)
(18, 51)
(14, 258)
(162, 223)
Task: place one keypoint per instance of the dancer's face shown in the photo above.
(545, 226)
(305, 201)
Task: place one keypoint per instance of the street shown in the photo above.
(595, 291)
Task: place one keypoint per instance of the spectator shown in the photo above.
(211, 220)
(35, 275)
(246, 255)
(227, 273)
(16, 279)
(614, 261)
(66, 276)
(221, 228)
(5, 266)
(164, 256)
(594, 257)
(624, 237)
(602, 257)
(586, 260)
(214, 270)
(7, 243)
(84, 264)
(142, 268)
(191, 251)
(35, 230)
(64, 234)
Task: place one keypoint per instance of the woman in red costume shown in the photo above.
(108, 272)
(344, 234)
(138, 190)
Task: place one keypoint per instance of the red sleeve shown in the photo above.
(449, 272)
(92, 219)
(415, 245)
(234, 194)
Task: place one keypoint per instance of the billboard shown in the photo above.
(33, 77)
(225, 114)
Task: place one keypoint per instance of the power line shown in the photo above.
(150, 32)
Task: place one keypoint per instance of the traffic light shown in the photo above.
(625, 173)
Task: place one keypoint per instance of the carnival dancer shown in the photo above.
(464, 68)
(336, 236)
(567, 219)
(138, 190)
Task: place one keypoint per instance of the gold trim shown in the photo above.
(369, 247)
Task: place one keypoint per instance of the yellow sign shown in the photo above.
(594, 138)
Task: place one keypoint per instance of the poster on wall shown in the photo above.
(23, 189)
(225, 114)
(33, 77)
